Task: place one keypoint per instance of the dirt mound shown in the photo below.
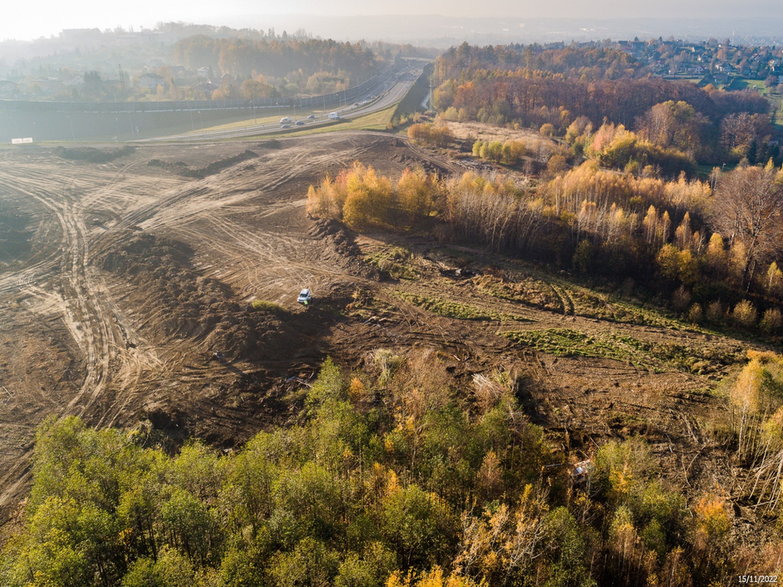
(342, 242)
(93, 155)
(426, 164)
(183, 169)
(191, 305)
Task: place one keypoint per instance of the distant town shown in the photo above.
(712, 62)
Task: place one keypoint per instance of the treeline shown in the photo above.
(430, 134)
(390, 478)
(273, 57)
(711, 249)
(177, 61)
(754, 425)
(575, 61)
(672, 137)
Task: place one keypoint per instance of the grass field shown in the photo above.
(375, 121)
(775, 98)
(453, 309)
(656, 356)
(240, 124)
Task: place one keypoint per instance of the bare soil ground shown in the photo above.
(540, 146)
(126, 278)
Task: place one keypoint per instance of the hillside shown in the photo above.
(467, 378)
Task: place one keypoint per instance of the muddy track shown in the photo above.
(85, 311)
(564, 299)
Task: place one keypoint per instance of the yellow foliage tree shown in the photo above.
(744, 313)
(432, 578)
(716, 256)
(712, 521)
(774, 281)
(416, 191)
(369, 197)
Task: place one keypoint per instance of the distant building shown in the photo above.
(150, 82)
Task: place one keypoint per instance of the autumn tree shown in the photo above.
(748, 209)
(740, 133)
(417, 192)
(674, 124)
(369, 197)
(430, 134)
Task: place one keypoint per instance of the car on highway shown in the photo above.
(311, 117)
(285, 125)
(299, 123)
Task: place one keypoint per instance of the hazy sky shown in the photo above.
(25, 19)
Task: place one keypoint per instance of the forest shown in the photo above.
(391, 476)
(718, 126)
(574, 61)
(305, 63)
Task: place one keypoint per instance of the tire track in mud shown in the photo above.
(94, 321)
(85, 313)
(194, 201)
(42, 264)
(85, 305)
(70, 193)
(230, 240)
(79, 312)
(118, 347)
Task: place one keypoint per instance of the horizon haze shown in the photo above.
(410, 20)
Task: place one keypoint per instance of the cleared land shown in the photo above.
(124, 278)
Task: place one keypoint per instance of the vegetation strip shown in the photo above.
(452, 309)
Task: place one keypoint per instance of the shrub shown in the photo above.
(695, 314)
(771, 321)
(681, 298)
(583, 256)
(712, 521)
(715, 312)
(744, 314)
(267, 306)
(557, 164)
(429, 134)
(508, 153)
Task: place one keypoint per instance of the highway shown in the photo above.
(388, 93)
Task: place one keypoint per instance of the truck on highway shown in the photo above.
(285, 120)
(334, 116)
